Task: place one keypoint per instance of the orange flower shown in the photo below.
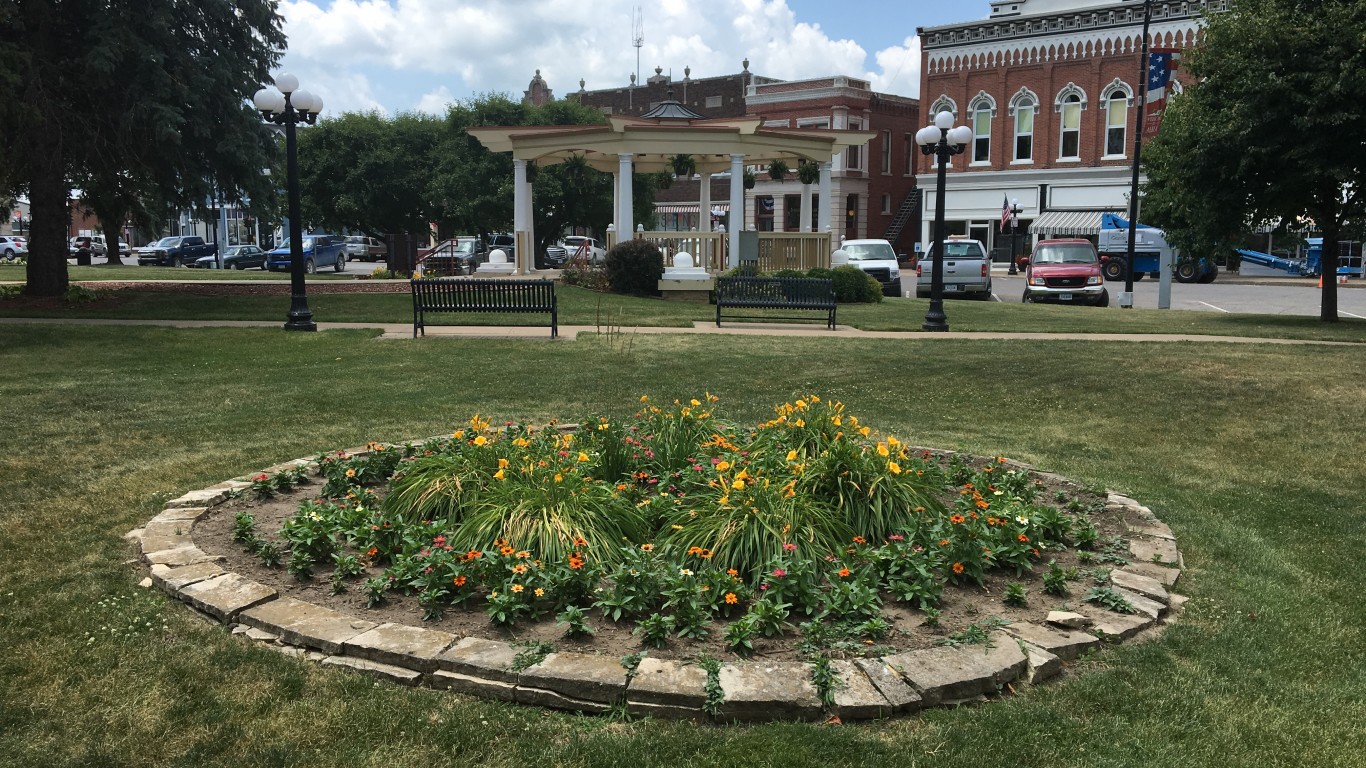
(705, 554)
(844, 573)
(371, 552)
(957, 567)
(943, 542)
(473, 554)
(957, 519)
(579, 541)
(523, 555)
(519, 569)
(505, 550)
(647, 547)
(575, 563)
(731, 598)
(860, 540)
(517, 588)
(458, 581)
(351, 472)
(1022, 537)
(732, 572)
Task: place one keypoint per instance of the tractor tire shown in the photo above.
(1187, 272)
(1113, 270)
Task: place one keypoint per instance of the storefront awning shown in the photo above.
(1067, 223)
(688, 207)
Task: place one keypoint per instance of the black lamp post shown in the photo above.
(943, 141)
(290, 106)
(1126, 301)
(1014, 233)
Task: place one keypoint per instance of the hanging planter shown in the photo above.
(808, 172)
(750, 179)
(684, 166)
(778, 170)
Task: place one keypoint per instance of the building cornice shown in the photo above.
(1120, 16)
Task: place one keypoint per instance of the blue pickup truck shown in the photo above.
(319, 251)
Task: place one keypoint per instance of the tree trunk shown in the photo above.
(111, 243)
(47, 274)
(1328, 263)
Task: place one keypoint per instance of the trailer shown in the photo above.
(1151, 251)
(1311, 265)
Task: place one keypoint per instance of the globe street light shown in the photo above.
(1014, 232)
(290, 106)
(943, 141)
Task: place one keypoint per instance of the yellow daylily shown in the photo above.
(792, 455)
(481, 440)
(499, 475)
(502, 463)
(893, 467)
(583, 456)
(882, 450)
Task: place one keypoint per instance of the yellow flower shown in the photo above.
(458, 434)
(676, 527)
(882, 450)
(738, 485)
(800, 422)
(791, 455)
(559, 478)
(744, 475)
(893, 467)
(583, 456)
(502, 463)
(540, 592)
(644, 398)
(351, 472)
(723, 466)
(836, 420)
(864, 431)
(694, 402)
(499, 475)
(481, 440)
(518, 588)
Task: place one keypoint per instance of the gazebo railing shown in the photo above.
(708, 249)
(794, 250)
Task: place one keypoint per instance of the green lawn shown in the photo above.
(583, 307)
(1254, 454)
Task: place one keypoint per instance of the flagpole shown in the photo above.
(1126, 300)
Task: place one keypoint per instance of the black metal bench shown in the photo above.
(775, 293)
(483, 295)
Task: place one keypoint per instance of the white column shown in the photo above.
(806, 209)
(526, 260)
(616, 200)
(823, 221)
(626, 225)
(736, 220)
(704, 206)
(521, 208)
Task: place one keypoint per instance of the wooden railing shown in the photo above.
(708, 249)
(794, 250)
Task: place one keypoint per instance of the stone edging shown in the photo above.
(751, 691)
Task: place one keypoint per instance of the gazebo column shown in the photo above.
(704, 205)
(626, 225)
(521, 210)
(824, 219)
(804, 224)
(736, 219)
(526, 260)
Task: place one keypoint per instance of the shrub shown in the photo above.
(634, 268)
(790, 273)
(854, 286)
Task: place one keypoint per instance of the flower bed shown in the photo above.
(806, 535)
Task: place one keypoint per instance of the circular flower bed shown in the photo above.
(810, 533)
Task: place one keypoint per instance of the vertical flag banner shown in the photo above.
(1161, 63)
(1005, 214)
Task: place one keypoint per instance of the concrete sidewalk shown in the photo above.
(398, 331)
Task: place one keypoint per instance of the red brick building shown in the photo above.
(1050, 89)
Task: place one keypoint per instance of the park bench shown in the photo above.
(796, 293)
(483, 295)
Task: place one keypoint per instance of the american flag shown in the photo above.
(1005, 214)
(1161, 63)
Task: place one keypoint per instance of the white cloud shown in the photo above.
(427, 52)
(435, 102)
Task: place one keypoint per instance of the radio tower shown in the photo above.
(638, 36)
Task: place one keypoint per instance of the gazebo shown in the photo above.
(647, 144)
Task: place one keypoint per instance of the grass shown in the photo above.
(582, 307)
(1252, 453)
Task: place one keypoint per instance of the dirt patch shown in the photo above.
(960, 607)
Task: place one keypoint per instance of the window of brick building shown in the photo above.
(887, 152)
(981, 134)
(1024, 133)
(911, 151)
(1069, 145)
(1116, 119)
(886, 203)
(853, 156)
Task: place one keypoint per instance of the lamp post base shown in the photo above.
(1126, 300)
(299, 317)
(935, 320)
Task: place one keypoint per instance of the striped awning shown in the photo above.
(687, 207)
(1067, 223)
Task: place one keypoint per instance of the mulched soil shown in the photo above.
(960, 607)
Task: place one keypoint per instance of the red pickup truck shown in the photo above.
(1065, 272)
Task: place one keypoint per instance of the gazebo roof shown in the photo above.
(653, 141)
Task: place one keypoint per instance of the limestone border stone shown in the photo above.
(750, 691)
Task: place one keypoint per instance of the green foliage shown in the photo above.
(778, 170)
(1015, 595)
(575, 621)
(532, 653)
(854, 286)
(808, 172)
(826, 680)
(634, 267)
(1108, 598)
(655, 630)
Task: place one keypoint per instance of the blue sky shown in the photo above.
(405, 55)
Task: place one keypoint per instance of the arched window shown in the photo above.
(1069, 140)
(1023, 107)
(1117, 101)
(981, 110)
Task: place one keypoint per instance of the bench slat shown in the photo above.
(482, 295)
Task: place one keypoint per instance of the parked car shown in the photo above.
(457, 256)
(967, 269)
(579, 247)
(235, 257)
(12, 247)
(174, 251)
(362, 248)
(878, 259)
(555, 256)
(319, 251)
(1065, 272)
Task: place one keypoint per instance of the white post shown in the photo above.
(824, 219)
(805, 221)
(526, 260)
(520, 206)
(625, 214)
(736, 220)
(616, 201)
(704, 206)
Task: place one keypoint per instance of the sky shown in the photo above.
(395, 56)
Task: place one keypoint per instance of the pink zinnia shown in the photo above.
(778, 573)
(896, 537)
(789, 547)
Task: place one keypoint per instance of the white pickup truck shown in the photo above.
(967, 270)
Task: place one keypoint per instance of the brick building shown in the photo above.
(874, 190)
(1050, 90)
